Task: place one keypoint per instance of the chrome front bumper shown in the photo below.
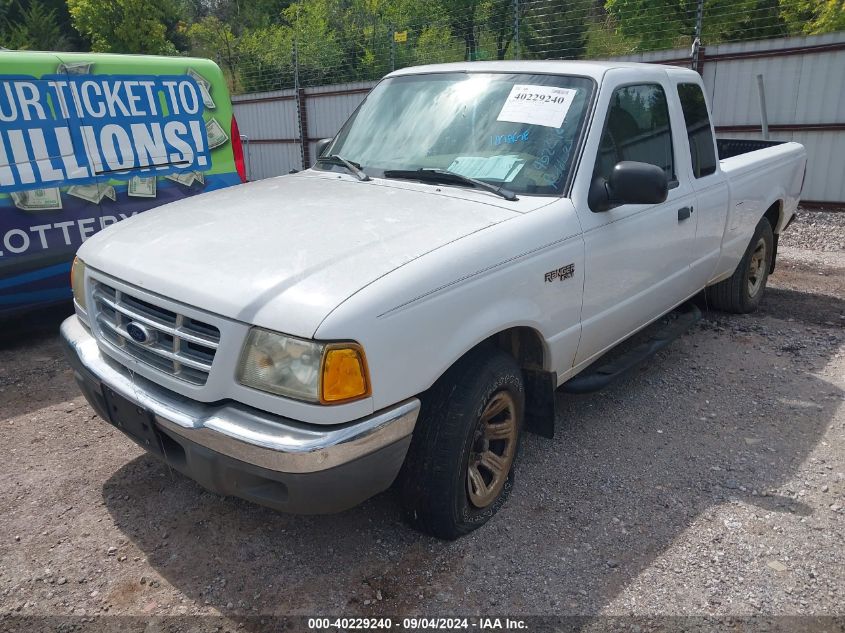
(233, 449)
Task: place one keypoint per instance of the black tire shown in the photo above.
(436, 485)
(742, 292)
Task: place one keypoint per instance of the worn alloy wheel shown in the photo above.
(743, 290)
(460, 466)
(493, 450)
(757, 268)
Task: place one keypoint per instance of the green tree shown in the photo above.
(311, 28)
(811, 17)
(763, 21)
(436, 44)
(35, 27)
(264, 60)
(237, 15)
(464, 18)
(211, 37)
(38, 25)
(265, 55)
(130, 26)
(657, 24)
(230, 32)
(501, 23)
(555, 29)
(605, 40)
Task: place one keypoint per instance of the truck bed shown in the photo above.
(757, 173)
(730, 147)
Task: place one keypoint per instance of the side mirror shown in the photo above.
(322, 144)
(630, 183)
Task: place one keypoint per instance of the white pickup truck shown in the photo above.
(474, 237)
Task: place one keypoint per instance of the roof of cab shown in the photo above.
(593, 69)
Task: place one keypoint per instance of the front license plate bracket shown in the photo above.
(133, 420)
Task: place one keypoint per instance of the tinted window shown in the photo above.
(637, 128)
(699, 132)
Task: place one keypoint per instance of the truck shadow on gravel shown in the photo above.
(823, 310)
(723, 417)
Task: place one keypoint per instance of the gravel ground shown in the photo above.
(816, 230)
(709, 482)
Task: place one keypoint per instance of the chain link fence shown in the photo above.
(297, 82)
(323, 42)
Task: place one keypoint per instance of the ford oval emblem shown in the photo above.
(140, 333)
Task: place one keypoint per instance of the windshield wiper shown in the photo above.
(446, 176)
(355, 168)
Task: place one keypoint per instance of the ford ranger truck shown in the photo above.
(475, 236)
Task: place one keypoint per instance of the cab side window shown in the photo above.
(637, 128)
(699, 132)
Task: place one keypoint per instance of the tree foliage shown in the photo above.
(814, 16)
(257, 41)
(129, 26)
(656, 24)
(37, 25)
(34, 27)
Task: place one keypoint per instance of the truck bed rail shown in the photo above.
(729, 147)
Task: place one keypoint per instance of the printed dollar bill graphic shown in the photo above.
(141, 187)
(187, 178)
(216, 135)
(92, 193)
(205, 88)
(75, 68)
(38, 199)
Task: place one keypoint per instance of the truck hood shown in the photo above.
(282, 253)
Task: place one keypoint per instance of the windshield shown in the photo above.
(515, 130)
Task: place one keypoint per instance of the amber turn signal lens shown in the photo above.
(344, 374)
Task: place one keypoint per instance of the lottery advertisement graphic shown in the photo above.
(88, 140)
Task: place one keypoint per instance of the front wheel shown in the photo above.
(743, 291)
(459, 469)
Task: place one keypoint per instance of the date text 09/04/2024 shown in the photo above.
(417, 623)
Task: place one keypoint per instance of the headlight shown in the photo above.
(306, 370)
(77, 281)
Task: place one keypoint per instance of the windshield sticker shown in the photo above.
(501, 168)
(555, 152)
(537, 105)
(510, 139)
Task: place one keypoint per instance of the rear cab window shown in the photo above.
(699, 131)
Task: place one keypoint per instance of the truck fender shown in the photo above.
(540, 380)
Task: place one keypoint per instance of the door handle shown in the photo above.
(684, 213)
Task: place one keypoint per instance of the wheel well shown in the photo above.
(524, 344)
(773, 215)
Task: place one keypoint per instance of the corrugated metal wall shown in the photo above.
(270, 123)
(804, 80)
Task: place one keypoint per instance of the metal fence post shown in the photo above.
(392, 47)
(696, 42)
(516, 29)
(764, 115)
(301, 121)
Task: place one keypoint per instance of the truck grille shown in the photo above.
(173, 343)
